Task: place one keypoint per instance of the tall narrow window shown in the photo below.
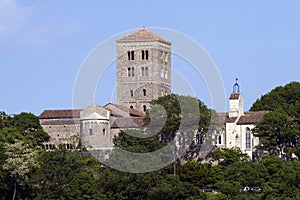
(128, 54)
(144, 108)
(146, 71)
(104, 132)
(144, 92)
(143, 71)
(248, 138)
(129, 72)
(143, 54)
(132, 71)
(132, 55)
(166, 73)
(146, 52)
(131, 93)
(91, 131)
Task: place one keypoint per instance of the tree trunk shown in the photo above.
(15, 190)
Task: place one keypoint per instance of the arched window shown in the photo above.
(129, 72)
(146, 71)
(144, 108)
(248, 138)
(143, 54)
(131, 93)
(132, 55)
(143, 71)
(131, 107)
(146, 54)
(144, 92)
(104, 132)
(132, 71)
(128, 54)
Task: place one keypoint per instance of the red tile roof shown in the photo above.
(224, 118)
(142, 35)
(128, 122)
(251, 117)
(58, 114)
(60, 122)
(235, 96)
(130, 111)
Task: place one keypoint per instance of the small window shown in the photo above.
(144, 92)
(146, 52)
(248, 138)
(161, 72)
(91, 131)
(131, 93)
(131, 107)
(143, 54)
(104, 132)
(128, 53)
(144, 108)
(129, 72)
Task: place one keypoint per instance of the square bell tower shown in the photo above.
(143, 69)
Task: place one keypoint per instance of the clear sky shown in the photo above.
(43, 44)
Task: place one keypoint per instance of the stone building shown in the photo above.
(95, 126)
(143, 74)
(143, 69)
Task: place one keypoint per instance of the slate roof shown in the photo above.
(59, 114)
(142, 35)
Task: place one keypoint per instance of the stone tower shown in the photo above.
(143, 69)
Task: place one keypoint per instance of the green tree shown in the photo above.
(279, 135)
(20, 161)
(285, 97)
(228, 156)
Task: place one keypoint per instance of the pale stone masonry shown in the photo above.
(143, 69)
(143, 74)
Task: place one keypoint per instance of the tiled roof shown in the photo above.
(142, 35)
(251, 117)
(58, 114)
(60, 122)
(235, 96)
(224, 118)
(128, 122)
(130, 111)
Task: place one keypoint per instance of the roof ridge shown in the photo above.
(142, 35)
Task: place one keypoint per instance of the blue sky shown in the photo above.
(43, 44)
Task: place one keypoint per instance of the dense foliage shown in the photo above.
(27, 172)
(279, 131)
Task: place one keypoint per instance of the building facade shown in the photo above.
(143, 69)
(143, 74)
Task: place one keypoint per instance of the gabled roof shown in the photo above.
(59, 114)
(142, 35)
(224, 118)
(251, 117)
(119, 110)
(127, 122)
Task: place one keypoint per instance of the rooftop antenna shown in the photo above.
(236, 86)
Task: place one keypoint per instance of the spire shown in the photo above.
(236, 86)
